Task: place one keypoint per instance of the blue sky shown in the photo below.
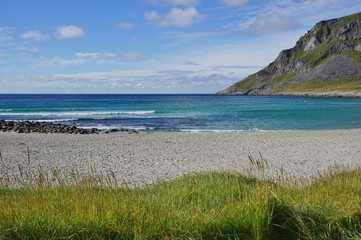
(148, 46)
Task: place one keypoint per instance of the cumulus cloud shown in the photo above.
(133, 56)
(234, 3)
(125, 25)
(176, 17)
(35, 35)
(271, 23)
(69, 31)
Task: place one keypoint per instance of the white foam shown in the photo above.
(78, 114)
(54, 120)
(139, 128)
(100, 127)
(220, 130)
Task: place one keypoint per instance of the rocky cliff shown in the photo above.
(325, 61)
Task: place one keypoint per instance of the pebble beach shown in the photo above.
(147, 158)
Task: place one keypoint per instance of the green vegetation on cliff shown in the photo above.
(340, 85)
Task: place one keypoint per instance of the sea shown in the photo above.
(183, 113)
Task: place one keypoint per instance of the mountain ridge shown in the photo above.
(326, 61)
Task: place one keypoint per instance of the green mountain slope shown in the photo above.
(326, 61)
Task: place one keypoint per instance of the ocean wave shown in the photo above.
(100, 127)
(221, 130)
(6, 110)
(78, 113)
(55, 120)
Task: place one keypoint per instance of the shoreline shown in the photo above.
(147, 158)
(332, 94)
(50, 127)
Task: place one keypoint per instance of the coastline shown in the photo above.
(332, 94)
(146, 158)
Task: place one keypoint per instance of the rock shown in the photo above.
(41, 127)
(328, 53)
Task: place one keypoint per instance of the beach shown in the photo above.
(147, 158)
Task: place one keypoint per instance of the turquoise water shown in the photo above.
(185, 112)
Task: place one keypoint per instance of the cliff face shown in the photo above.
(326, 59)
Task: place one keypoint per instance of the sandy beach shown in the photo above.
(146, 158)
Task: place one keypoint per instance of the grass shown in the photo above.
(282, 79)
(343, 84)
(246, 84)
(353, 54)
(350, 18)
(201, 206)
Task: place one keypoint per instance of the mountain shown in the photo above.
(326, 61)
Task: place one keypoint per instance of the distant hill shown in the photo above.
(326, 61)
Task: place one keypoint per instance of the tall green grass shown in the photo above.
(198, 206)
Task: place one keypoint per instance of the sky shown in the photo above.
(148, 46)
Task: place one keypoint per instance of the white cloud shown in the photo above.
(28, 49)
(308, 12)
(259, 52)
(125, 25)
(123, 81)
(176, 17)
(5, 36)
(271, 23)
(234, 3)
(205, 69)
(180, 38)
(70, 31)
(187, 3)
(135, 39)
(44, 62)
(133, 56)
(35, 35)
(283, 15)
(78, 59)
(183, 2)
(94, 55)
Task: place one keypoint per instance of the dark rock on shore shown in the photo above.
(43, 127)
(123, 130)
(50, 127)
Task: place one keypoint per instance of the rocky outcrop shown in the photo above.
(329, 55)
(49, 127)
(338, 66)
(42, 127)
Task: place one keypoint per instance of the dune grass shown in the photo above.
(199, 206)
